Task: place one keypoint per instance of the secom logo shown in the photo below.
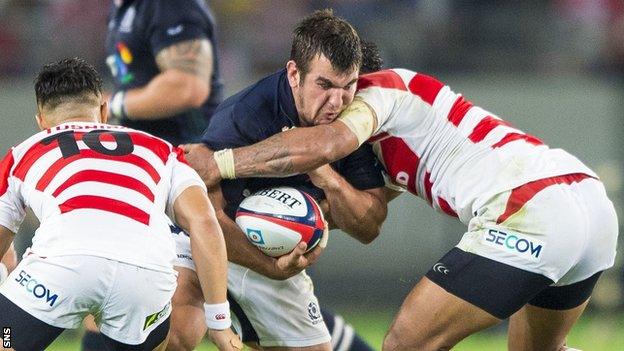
(515, 242)
(37, 289)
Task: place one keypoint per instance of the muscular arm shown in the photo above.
(194, 213)
(359, 213)
(184, 82)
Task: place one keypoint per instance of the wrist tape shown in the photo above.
(218, 315)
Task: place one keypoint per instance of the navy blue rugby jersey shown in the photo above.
(137, 31)
(260, 111)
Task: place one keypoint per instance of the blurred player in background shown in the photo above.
(104, 245)
(540, 227)
(163, 58)
(318, 82)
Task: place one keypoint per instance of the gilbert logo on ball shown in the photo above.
(277, 219)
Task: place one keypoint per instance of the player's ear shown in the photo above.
(293, 74)
(40, 121)
(104, 112)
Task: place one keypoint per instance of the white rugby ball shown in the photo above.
(276, 219)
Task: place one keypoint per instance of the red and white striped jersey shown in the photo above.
(441, 147)
(98, 190)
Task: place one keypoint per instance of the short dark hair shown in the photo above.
(70, 79)
(324, 33)
(371, 58)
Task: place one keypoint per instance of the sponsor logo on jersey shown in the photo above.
(37, 289)
(514, 242)
(125, 26)
(118, 63)
(255, 235)
(155, 317)
(314, 312)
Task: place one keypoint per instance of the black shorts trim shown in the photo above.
(155, 338)
(497, 288)
(27, 332)
(567, 296)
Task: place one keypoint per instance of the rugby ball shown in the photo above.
(276, 219)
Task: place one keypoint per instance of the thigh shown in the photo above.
(433, 319)
(157, 340)
(282, 313)
(188, 325)
(536, 328)
(139, 301)
(25, 331)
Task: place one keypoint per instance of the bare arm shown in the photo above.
(8, 259)
(194, 213)
(359, 213)
(242, 252)
(184, 82)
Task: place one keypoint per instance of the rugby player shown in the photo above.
(104, 245)
(316, 85)
(163, 58)
(540, 231)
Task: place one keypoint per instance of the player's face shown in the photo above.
(323, 93)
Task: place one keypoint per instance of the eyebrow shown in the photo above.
(332, 84)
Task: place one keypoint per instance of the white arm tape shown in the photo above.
(360, 119)
(225, 162)
(218, 315)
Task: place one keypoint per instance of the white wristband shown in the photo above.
(4, 272)
(118, 105)
(218, 315)
(225, 162)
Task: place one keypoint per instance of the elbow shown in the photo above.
(369, 236)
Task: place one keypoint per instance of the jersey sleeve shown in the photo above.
(381, 101)
(182, 177)
(172, 22)
(12, 208)
(361, 169)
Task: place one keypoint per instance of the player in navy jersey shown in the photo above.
(104, 246)
(315, 86)
(163, 58)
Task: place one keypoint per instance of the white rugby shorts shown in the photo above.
(127, 301)
(283, 313)
(564, 228)
(184, 258)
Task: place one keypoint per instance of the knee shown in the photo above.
(183, 340)
(395, 341)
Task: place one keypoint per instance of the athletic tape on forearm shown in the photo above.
(225, 162)
(360, 119)
(218, 315)
(4, 272)
(118, 104)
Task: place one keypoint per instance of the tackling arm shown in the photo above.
(6, 252)
(184, 83)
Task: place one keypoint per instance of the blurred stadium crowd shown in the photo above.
(446, 37)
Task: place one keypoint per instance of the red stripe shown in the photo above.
(459, 110)
(156, 145)
(446, 208)
(180, 155)
(426, 87)
(517, 136)
(378, 137)
(522, 194)
(400, 160)
(383, 79)
(105, 204)
(428, 185)
(30, 157)
(306, 231)
(317, 212)
(485, 126)
(5, 169)
(59, 164)
(108, 178)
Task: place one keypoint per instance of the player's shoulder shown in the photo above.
(395, 78)
(257, 101)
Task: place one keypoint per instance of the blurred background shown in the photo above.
(553, 68)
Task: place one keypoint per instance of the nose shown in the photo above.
(336, 98)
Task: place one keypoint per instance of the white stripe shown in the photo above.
(498, 133)
(471, 120)
(109, 191)
(337, 332)
(347, 339)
